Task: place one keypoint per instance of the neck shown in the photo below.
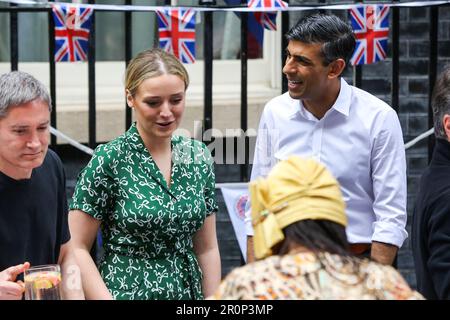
(14, 172)
(157, 145)
(320, 105)
(154, 144)
(296, 248)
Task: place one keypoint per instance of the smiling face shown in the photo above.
(24, 137)
(307, 76)
(159, 104)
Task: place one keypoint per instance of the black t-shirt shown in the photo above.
(33, 215)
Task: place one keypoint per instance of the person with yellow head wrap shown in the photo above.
(295, 190)
(299, 221)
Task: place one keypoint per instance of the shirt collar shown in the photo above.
(134, 139)
(441, 154)
(343, 100)
(341, 105)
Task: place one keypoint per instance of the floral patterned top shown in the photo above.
(147, 226)
(308, 276)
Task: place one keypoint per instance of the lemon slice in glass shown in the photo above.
(42, 283)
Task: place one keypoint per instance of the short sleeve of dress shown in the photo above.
(210, 187)
(95, 185)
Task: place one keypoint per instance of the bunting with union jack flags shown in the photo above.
(72, 28)
(177, 33)
(267, 19)
(371, 27)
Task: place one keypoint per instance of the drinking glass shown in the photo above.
(43, 282)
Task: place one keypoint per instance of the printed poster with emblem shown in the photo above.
(236, 197)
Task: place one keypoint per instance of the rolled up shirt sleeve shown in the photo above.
(388, 168)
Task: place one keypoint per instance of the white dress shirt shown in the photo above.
(360, 141)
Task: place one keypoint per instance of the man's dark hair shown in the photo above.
(336, 36)
(440, 102)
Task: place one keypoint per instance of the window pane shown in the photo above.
(109, 33)
(4, 35)
(32, 33)
(226, 34)
(145, 27)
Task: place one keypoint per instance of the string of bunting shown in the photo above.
(176, 26)
(108, 7)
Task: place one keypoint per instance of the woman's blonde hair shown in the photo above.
(153, 63)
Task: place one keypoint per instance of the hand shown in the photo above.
(9, 289)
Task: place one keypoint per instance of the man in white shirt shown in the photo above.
(356, 135)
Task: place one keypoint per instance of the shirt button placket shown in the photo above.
(317, 141)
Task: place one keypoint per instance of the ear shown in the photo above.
(336, 68)
(446, 123)
(130, 99)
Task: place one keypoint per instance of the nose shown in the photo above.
(165, 111)
(288, 66)
(34, 142)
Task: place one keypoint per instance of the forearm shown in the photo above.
(71, 278)
(210, 265)
(383, 252)
(93, 284)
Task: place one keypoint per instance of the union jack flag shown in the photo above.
(177, 33)
(72, 27)
(371, 27)
(267, 19)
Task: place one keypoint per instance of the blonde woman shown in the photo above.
(152, 194)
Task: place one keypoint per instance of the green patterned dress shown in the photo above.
(147, 227)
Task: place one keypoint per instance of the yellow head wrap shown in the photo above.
(296, 189)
